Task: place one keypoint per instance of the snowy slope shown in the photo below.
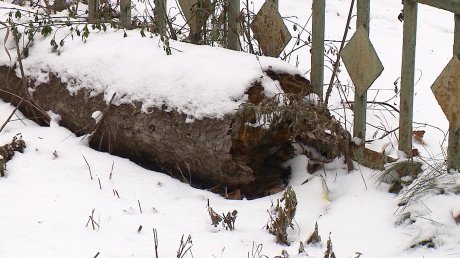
(46, 198)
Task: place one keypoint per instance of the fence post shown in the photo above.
(125, 13)
(453, 149)
(317, 47)
(93, 10)
(360, 103)
(233, 25)
(159, 14)
(407, 75)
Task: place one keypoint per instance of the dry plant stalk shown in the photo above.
(315, 238)
(89, 168)
(185, 246)
(140, 208)
(7, 152)
(155, 237)
(329, 253)
(282, 218)
(94, 224)
(228, 221)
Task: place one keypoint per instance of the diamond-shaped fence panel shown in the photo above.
(446, 89)
(361, 60)
(270, 30)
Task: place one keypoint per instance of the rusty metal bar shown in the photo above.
(448, 5)
(233, 25)
(359, 123)
(407, 75)
(453, 150)
(317, 46)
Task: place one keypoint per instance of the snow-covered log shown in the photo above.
(207, 152)
(212, 117)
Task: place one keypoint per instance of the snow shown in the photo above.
(199, 81)
(47, 195)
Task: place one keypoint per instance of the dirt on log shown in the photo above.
(227, 153)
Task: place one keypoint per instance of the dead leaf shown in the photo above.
(418, 136)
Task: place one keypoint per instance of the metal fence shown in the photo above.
(446, 88)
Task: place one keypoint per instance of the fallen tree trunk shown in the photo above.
(232, 153)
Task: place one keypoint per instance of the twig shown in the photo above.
(6, 39)
(336, 64)
(24, 79)
(111, 170)
(384, 135)
(91, 219)
(172, 33)
(155, 237)
(140, 208)
(104, 113)
(248, 31)
(180, 170)
(31, 103)
(115, 193)
(139, 229)
(97, 255)
(185, 246)
(378, 103)
(19, 119)
(89, 167)
(11, 115)
(100, 186)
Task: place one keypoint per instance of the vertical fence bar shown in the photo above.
(160, 16)
(93, 10)
(317, 46)
(360, 104)
(407, 75)
(125, 13)
(453, 150)
(233, 25)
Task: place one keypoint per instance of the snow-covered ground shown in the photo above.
(48, 195)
